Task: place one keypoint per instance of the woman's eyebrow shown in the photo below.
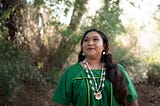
(95, 36)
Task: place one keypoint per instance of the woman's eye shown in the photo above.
(85, 40)
(96, 39)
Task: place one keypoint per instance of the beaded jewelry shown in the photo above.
(97, 89)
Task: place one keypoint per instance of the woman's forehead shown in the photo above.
(92, 34)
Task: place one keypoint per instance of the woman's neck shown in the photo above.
(94, 63)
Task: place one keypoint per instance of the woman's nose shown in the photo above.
(90, 42)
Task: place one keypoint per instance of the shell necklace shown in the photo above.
(97, 89)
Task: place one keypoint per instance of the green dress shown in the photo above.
(74, 88)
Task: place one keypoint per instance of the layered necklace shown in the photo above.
(96, 88)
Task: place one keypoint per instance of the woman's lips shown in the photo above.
(90, 48)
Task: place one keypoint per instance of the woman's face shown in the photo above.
(92, 45)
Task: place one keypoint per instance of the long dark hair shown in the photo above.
(113, 73)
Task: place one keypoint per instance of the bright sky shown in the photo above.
(142, 13)
(93, 6)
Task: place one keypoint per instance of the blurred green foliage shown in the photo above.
(107, 20)
(52, 76)
(16, 67)
(38, 2)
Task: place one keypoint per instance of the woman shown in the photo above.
(95, 80)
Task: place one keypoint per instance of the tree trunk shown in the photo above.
(67, 46)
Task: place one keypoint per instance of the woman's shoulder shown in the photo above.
(122, 68)
(74, 68)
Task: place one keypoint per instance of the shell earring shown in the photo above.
(103, 52)
(82, 54)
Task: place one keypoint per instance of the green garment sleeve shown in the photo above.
(62, 93)
(132, 96)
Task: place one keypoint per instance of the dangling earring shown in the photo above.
(103, 57)
(82, 54)
(103, 52)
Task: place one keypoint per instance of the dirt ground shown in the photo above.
(148, 95)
